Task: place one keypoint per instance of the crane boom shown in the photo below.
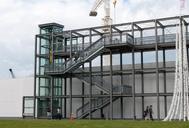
(106, 20)
(95, 7)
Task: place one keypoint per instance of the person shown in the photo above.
(151, 112)
(146, 113)
(49, 114)
(59, 115)
(76, 56)
(72, 117)
(102, 116)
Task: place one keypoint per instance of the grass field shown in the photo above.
(90, 124)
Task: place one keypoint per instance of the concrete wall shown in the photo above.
(11, 94)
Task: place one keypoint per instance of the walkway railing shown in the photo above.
(167, 38)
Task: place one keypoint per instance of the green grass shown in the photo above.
(90, 124)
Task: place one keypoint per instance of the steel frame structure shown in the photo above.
(146, 36)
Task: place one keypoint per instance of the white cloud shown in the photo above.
(19, 21)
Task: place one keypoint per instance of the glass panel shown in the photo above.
(28, 106)
(116, 59)
(57, 91)
(28, 110)
(43, 106)
(137, 58)
(57, 86)
(170, 55)
(43, 61)
(160, 56)
(42, 70)
(44, 91)
(28, 103)
(44, 82)
(44, 50)
(127, 58)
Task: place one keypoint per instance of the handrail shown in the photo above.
(71, 61)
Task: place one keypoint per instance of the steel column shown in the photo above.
(65, 99)
(101, 70)
(141, 37)
(121, 98)
(71, 44)
(142, 74)
(111, 87)
(164, 82)
(186, 42)
(164, 75)
(121, 37)
(90, 86)
(142, 82)
(35, 77)
(51, 96)
(83, 84)
(90, 90)
(157, 71)
(70, 97)
(23, 106)
(133, 75)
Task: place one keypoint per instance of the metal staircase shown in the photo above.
(73, 65)
(86, 55)
(102, 85)
(98, 103)
(97, 81)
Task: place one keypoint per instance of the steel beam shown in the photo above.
(94, 30)
(138, 27)
(119, 31)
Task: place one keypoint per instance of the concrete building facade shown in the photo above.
(12, 92)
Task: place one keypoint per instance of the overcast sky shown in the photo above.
(19, 21)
